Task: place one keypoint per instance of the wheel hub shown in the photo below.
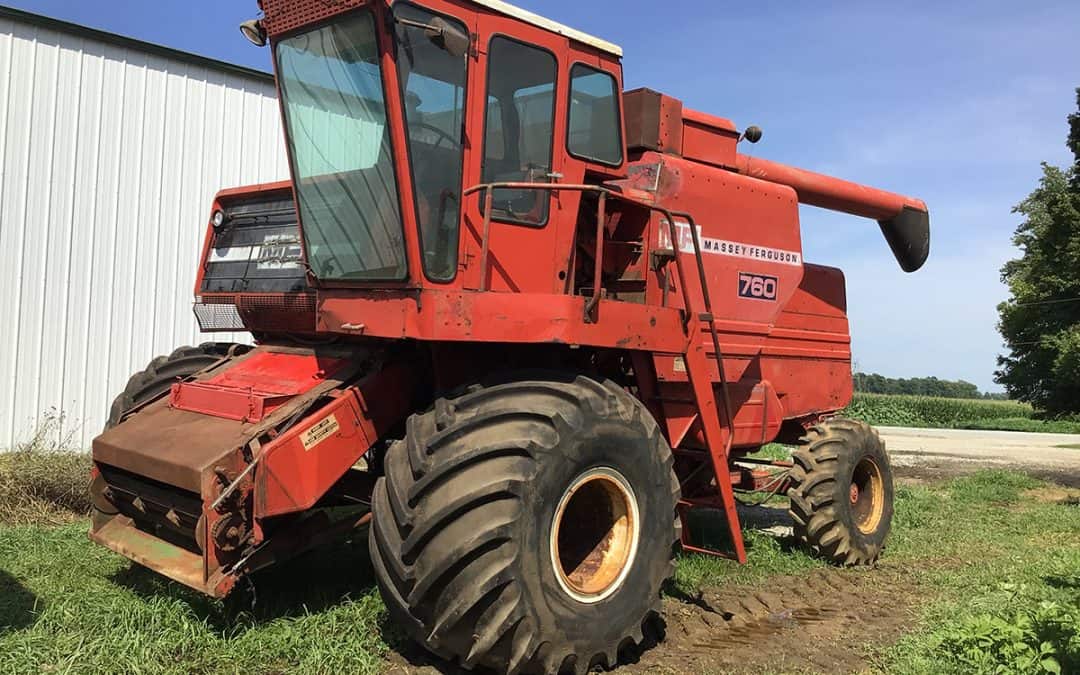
(594, 535)
(867, 494)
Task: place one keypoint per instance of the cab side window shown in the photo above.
(594, 116)
(519, 131)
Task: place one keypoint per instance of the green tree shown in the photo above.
(1041, 321)
(923, 386)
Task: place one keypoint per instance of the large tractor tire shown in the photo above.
(161, 373)
(527, 526)
(842, 492)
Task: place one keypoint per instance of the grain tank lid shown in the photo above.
(553, 26)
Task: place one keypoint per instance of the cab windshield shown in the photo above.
(335, 116)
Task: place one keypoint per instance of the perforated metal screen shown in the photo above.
(283, 16)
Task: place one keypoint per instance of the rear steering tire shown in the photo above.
(527, 526)
(161, 373)
(842, 492)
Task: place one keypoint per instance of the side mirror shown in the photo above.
(446, 36)
(753, 134)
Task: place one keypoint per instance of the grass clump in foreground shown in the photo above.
(41, 481)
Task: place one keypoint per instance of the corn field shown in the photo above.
(932, 412)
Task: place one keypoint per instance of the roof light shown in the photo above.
(255, 32)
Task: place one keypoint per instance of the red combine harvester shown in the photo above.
(519, 322)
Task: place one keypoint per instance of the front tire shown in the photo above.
(527, 526)
(161, 373)
(842, 492)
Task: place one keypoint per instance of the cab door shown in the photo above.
(435, 63)
(518, 115)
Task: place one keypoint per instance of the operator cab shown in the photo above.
(392, 111)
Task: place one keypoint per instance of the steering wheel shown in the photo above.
(438, 132)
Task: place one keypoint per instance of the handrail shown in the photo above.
(726, 395)
(670, 216)
(553, 187)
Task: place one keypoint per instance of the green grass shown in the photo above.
(990, 555)
(1070, 446)
(978, 551)
(67, 605)
(767, 556)
(995, 569)
(772, 451)
(953, 413)
(1023, 424)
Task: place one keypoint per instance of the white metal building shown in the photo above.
(111, 150)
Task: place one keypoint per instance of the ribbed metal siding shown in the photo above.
(109, 158)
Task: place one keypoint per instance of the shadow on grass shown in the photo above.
(310, 583)
(18, 605)
(709, 529)
(1062, 582)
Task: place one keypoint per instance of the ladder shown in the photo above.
(718, 431)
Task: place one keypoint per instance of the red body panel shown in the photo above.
(679, 271)
(301, 465)
(257, 386)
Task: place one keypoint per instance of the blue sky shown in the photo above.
(955, 103)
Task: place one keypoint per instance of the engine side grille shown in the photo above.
(293, 312)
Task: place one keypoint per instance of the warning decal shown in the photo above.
(319, 432)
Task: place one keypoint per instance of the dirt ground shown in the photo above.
(828, 621)
(934, 470)
(823, 622)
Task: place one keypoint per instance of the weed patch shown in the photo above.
(43, 481)
(1006, 598)
(1038, 637)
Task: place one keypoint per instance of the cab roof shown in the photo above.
(553, 26)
